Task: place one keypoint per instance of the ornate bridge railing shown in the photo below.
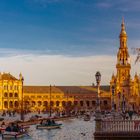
(117, 129)
(120, 125)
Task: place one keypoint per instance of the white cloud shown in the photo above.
(104, 5)
(60, 70)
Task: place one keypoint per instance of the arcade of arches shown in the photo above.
(42, 97)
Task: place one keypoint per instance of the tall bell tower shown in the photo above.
(122, 80)
(123, 60)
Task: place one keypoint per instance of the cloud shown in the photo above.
(121, 5)
(129, 5)
(104, 5)
(61, 70)
(57, 69)
(10, 52)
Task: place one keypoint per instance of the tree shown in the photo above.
(137, 51)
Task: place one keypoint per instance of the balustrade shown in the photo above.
(120, 125)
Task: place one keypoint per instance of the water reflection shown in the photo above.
(71, 130)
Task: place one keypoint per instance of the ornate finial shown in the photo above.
(21, 77)
(113, 76)
(123, 26)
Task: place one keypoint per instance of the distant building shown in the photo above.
(10, 91)
(39, 98)
(127, 91)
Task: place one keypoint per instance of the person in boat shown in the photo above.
(53, 122)
(3, 124)
(16, 128)
(41, 122)
(21, 129)
(8, 128)
(48, 122)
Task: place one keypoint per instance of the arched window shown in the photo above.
(51, 103)
(10, 94)
(75, 103)
(5, 104)
(16, 103)
(93, 103)
(39, 103)
(27, 103)
(81, 103)
(87, 103)
(16, 95)
(57, 103)
(63, 103)
(5, 94)
(33, 103)
(11, 104)
(69, 103)
(45, 103)
(105, 102)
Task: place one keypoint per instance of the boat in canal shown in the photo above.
(87, 117)
(13, 135)
(51, 126)
(48, 124)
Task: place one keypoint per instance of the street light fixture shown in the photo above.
(113, 90)
(98, 110)
(98, 80)
(50, 110)
(22, 109)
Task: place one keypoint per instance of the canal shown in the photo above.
(72, 129)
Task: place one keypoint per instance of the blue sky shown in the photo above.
(68, 28)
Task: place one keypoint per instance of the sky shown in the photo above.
(64, 42)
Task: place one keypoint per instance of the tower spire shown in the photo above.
(123, 32)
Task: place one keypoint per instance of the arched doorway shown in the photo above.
(57, 103)
(5, 104)
(16, 104)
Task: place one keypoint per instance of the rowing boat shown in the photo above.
(13, 135)
(52, 126)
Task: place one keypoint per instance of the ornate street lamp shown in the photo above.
(113, 90)
(50, 110)
(22, 106)
(98, 80)
(98, 110)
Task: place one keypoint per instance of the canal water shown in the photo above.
(73, 129)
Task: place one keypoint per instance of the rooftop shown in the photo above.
(65, 89)
(7, 76)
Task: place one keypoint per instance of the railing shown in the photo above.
(120, 126)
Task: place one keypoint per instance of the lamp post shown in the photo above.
(67, 111)
(98, 110)
(113, 90)
(22, 108)
(98, 80)
(50, 101)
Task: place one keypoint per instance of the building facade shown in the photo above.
(10, 91)
(126, 90)
(44, 98)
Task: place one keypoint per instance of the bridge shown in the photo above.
(117, 129)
